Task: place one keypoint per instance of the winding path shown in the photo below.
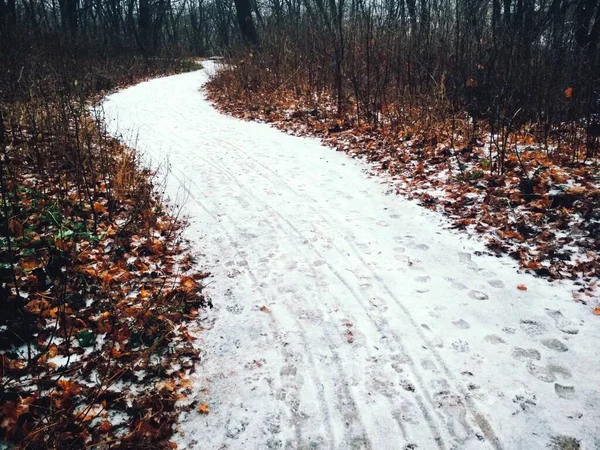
(346, 317)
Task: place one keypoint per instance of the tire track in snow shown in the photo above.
(343, 383)
(349, 398)
(427, 414)
(427, 411)
(291, 230)
(477, 417)
(181, 178)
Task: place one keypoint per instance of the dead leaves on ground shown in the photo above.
(97, 319)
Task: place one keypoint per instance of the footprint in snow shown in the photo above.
(428, 364)
(288, 371)
(526, 354)
(478, 295)
(464, 258)
(377, 302)
(532, 328)
(526, 401)
(562, 323)
(555, 344)
(408, 412)
(460, 346)
(494, 339)
(499, 284)
(549, 373)
(434, 339)
(403, 259)
(462, 324)
(562, 391)
(234, 428)
(487, 273)
(456, 284)
(235, 309)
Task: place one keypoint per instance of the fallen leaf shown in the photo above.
(62, 244)
(265, 309)
(105, 426)
(471, 83)
(569, 92)
(15, 227)
(37, 306)
(155, 247)
(30, 263)
(522, 287)
(203, 408)
(99, 208)
(190, 285)
(52, 351)
(597, 311)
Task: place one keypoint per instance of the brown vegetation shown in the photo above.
(97, 287)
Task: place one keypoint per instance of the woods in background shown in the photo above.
(485, 110)
(509, 59)
(507, 62)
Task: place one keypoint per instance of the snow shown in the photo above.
(346, 317)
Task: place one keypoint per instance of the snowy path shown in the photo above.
(347, 318)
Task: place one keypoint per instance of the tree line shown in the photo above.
(508, 62)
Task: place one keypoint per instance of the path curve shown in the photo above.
(346, 317)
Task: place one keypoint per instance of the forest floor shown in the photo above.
(347, 316)
(98, 289)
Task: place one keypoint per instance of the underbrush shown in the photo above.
(98, 288)
(532, 189)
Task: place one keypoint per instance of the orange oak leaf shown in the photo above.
(203, 408)
(569, 92)
(105, 426)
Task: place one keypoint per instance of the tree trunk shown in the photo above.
(2, 12)
(144, 19)
(68, 16)
(588, 28)
(244, 17)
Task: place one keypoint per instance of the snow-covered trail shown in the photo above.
(347, 318)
